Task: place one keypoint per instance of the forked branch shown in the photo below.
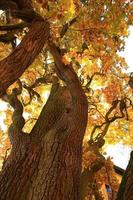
(67, 74)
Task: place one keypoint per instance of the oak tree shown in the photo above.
(73, 46)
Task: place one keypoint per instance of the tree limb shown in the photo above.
(27, 15)
(67, 74)
(12, 67)
(107, 121)
(90, 79)
(126, 186)
(14, 26)
(24, 54)
(17, 119)
(66, 26)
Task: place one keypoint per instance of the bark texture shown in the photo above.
(12, 67)
(126, 187)
(46, 165)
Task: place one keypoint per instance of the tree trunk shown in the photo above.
(46, 164)
(126, 187)
(44, 171)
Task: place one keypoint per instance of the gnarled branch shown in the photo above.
(66, 26)
(17, 119)
(108, 120)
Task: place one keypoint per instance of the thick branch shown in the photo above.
(67, 74)
(14, 27)
(12, 67)
(65, 104)
(27, 15)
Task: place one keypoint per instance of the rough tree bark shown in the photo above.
(126, 187)
(46, 165)
(24, 54)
